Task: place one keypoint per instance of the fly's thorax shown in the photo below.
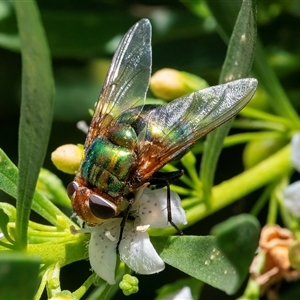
(109, 160)
(123, 135)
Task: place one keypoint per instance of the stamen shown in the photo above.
(109, 236)
(142, 228)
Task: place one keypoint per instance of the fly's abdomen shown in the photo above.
(107, 166)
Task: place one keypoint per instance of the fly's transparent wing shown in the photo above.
(173, 128)
(127, 81)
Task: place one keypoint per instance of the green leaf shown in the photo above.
(199, 257)
(237, 238)
(237, 65)
(63, 252)
(18, 276)
(36, 109)
(8, 183)
(261, 68)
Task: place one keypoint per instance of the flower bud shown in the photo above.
(257, 150)
(129, 285)
(67, 158)
(169, 84)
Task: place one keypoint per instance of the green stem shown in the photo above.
(101, 292)
(251, 136)
(258, 124)
(42, 285)
(262, 200)
(272, 211)
(86, 285)
(57, 234)
(241, 185)
(261, 115)
(7, 246)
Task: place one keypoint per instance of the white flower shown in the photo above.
(185, 293)
(136, 250)
(291, 195)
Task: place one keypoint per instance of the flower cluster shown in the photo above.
(135, 248)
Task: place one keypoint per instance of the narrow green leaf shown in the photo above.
(36, 109)
(237, 238)
(62, 252)
(4, 219)
(225, 13)
(261, 69)
(237, 65)
(41, 205)
(211, 152)
(15, 267)
(199, 257)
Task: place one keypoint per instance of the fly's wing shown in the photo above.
(173, 128)
(127, 81)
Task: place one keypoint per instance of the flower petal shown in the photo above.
(138, 253)
(296, 151)
(291, 198)
(185, 293)
(102, 249)
(152, 208)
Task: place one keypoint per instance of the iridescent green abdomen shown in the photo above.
(108, 161)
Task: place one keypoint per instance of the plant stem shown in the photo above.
(241, 185)
(86, 285)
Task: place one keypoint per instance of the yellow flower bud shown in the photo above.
(67, 158)
(169, 84)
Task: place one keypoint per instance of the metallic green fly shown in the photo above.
(128, 142)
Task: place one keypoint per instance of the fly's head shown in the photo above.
(90, 205)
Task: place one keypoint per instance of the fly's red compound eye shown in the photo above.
(72, 188)
(101, 208)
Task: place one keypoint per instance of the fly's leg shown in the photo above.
(123, 223)
(179, 231)
(160, 180)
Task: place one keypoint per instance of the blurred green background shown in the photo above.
(83, 36)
